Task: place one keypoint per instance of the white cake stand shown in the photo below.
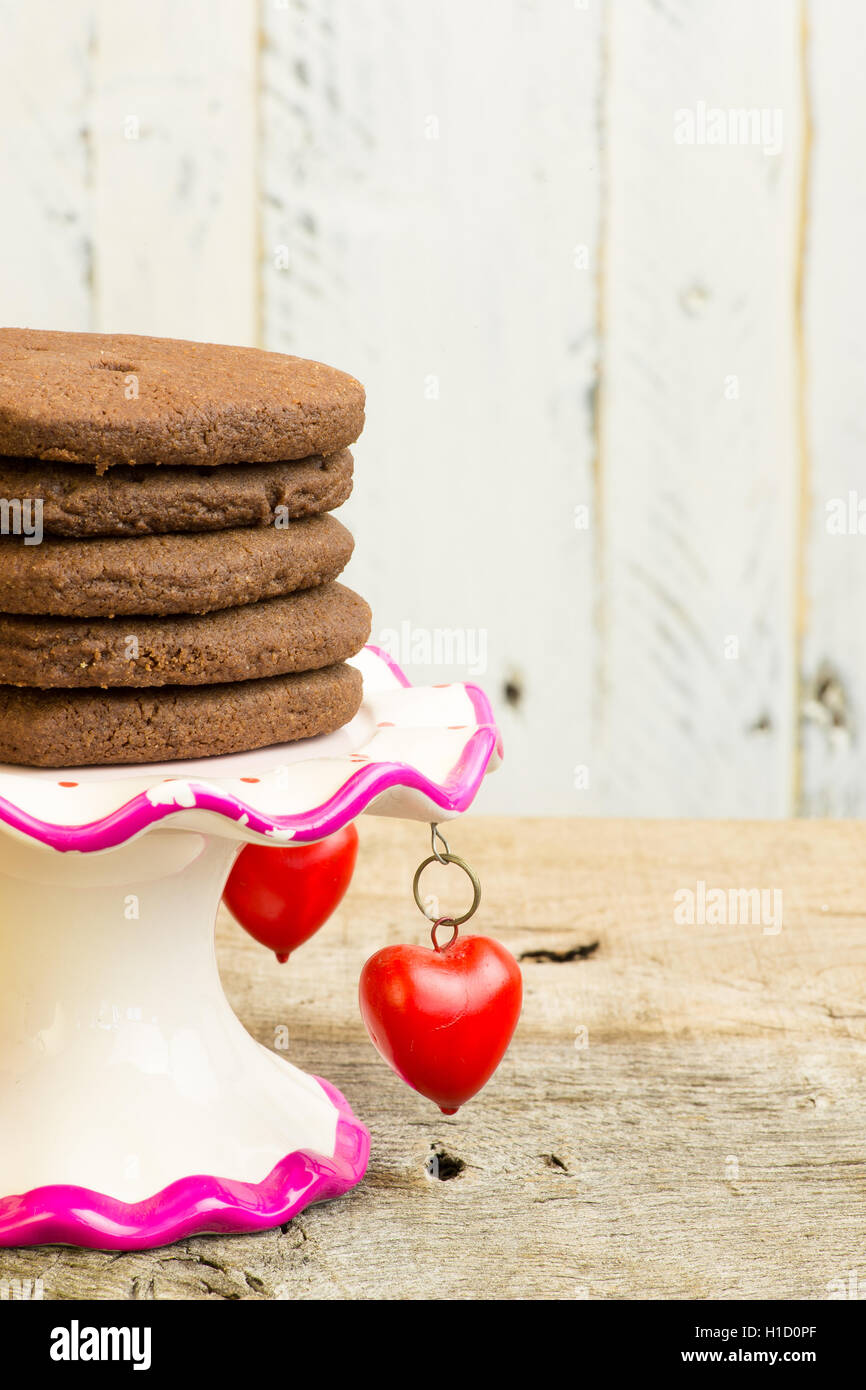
(134, 1107)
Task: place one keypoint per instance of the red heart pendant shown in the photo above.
(442, 1018)
(282, 895)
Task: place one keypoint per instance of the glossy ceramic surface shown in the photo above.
(417, 752)
(134, 1106)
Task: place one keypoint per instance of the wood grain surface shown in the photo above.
(431, 222)
(833, 696)
(698, 441)
(680, 1114)
(174, 186)
(613, 380)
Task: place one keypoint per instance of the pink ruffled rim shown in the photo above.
(455, 794)
(65, 1215)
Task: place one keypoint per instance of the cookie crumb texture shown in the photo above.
(148, 500)
(194, 573)
(109, 399)
(50, 728)
(301, 632)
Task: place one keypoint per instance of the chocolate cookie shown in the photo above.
(191, 573)
(103, 399)
(78, 728)
(301, 632)
(147, 500)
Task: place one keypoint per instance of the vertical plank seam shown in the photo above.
(259, 38)
(91, 156)
(803, 499)
(597, 466)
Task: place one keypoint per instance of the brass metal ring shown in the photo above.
(470, 873)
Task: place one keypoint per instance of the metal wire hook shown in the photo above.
(436, 834)
(444, 922)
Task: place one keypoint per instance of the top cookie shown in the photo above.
(105, 398)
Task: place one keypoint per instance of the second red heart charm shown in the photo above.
(442, 1018)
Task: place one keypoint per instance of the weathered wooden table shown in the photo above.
(682, 1113)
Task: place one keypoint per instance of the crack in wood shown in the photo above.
(826, 703)
(554, 1161)
(443, 1165)
(561, 957)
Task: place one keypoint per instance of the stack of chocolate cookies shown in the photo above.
(168, 558)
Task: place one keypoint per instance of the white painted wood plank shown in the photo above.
(428, 172)
(45, 163)
(699, 447)
(175, 169)
(834, 648)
